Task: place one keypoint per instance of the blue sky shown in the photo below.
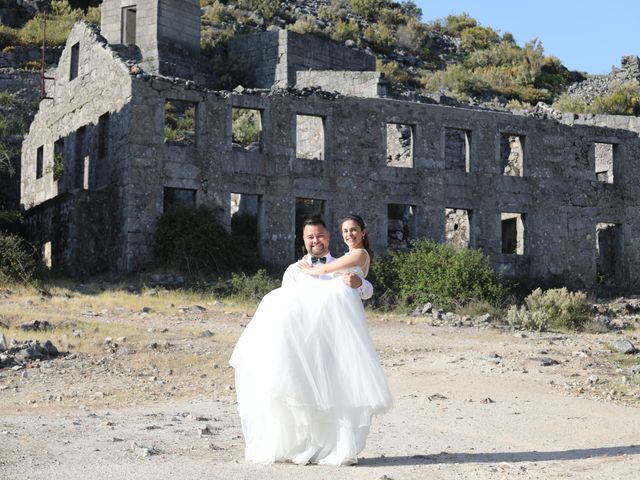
(587, 35)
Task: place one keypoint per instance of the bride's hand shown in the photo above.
(304, 266)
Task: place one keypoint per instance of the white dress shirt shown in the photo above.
(293, 275)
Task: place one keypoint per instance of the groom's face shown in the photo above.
(316, 240)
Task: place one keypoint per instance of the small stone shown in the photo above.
(144, 451)
(426, 308)
(486, 318)
(622, 345)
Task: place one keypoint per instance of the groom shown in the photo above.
(316, 240)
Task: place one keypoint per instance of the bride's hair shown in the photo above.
(365, 240)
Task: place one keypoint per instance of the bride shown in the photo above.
(308, 379)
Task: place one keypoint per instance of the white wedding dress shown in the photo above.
(308, 378)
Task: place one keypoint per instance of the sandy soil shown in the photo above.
(155, 400)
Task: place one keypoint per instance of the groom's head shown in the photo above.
(315, 236)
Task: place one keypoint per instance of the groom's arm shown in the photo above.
(362, 285)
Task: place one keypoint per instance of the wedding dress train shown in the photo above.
(308, 379)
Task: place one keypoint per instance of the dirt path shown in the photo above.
(470, 404)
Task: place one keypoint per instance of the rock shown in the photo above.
(35, 326)
(623, 345)
(144, 451)
(635, 370)
(436, 396)
(486, 318)
(436, 314)
(427, 308)
(3, 343)
(547, 362)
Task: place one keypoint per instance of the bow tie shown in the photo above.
(315, 260)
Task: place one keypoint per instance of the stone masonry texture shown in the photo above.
(101, 214)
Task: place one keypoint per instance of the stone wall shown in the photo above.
(167, 32)
(355, 177)
(353, 84)
(85, 126)
(275, 57)
(541, 224)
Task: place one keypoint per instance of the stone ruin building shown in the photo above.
(554, 201)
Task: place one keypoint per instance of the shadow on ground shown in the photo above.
(511, 457)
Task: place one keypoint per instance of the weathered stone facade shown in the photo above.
(544, 222)
(275, 58)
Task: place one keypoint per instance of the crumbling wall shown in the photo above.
(85, 126)
(457, 165)
(355, 176)
(276, 57)
(353, 84)
(167, 32)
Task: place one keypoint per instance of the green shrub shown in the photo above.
(8, 37)
(380, 37)
(478, 38)
(253, 287)
(58, 166)
(334, 12)
(216, 13)
(569, 103)
(192, 240)
(393, 74)
(623, 100)
(11, 221)
(305, 25)
(556, 309)
(343, 31)
(246, 126)
(267, 8)
(368, 9)
(17, 260)
(455, 24)
(179, 122)
(439, 273)
(413, 37)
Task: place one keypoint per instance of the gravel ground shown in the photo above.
(146, 393)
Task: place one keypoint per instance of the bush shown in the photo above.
(192, 240)
(393, 74)
(246, 126)
(380, 37)
(623, 100)
(442, 274)
(569, 103)
(368, 9)
(306, 25)
(344, 31)
(17, 260)
(253, 287)
(11, 222)
(478, 38)
(556, 309)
